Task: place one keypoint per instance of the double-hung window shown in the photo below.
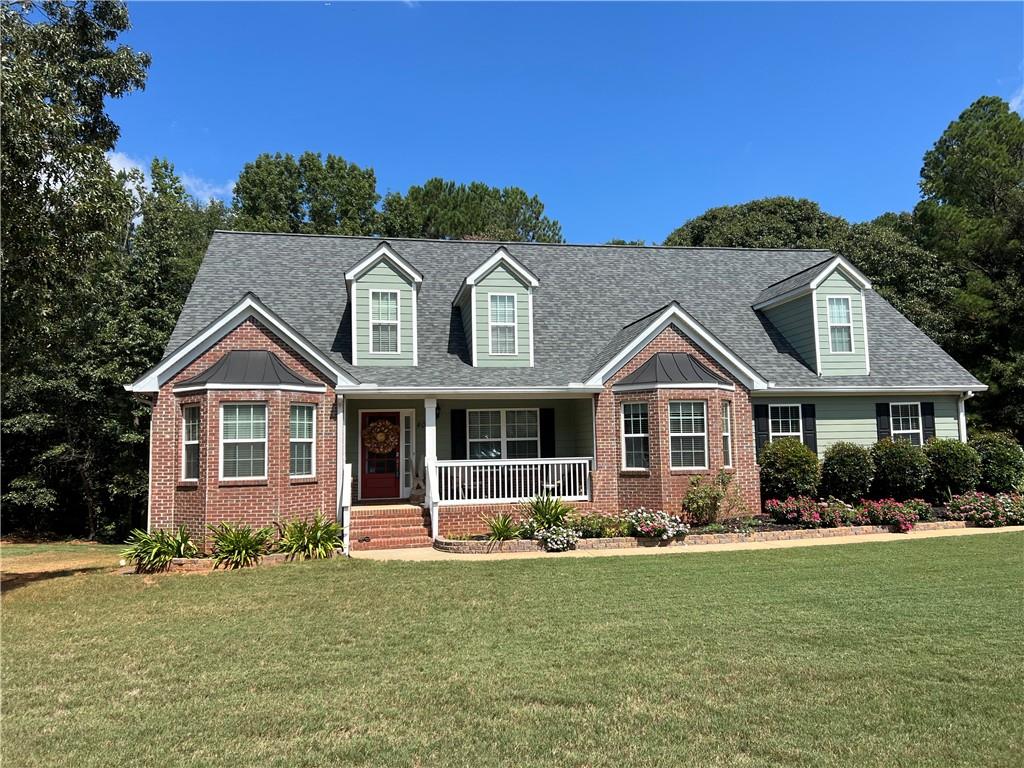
(636, 445)
(784, 421)
(190, 443)
(905, 422)
(503, 434)
(384, 322)
(688, 434)
(302, 441)
(726, 433)
(243, 441)
(502, 324)
(840, 324)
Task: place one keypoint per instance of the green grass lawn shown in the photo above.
(870, 654)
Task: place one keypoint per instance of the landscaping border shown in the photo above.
(203, 564)
(464, 547)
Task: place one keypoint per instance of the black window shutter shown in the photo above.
(927, 421)
(458, 433)
(547, 433)
(810, 426)
(882, 420)
(760, 427)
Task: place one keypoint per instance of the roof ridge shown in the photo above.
(651, 247)
(806, 269)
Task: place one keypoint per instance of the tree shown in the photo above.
(774, 222)
(442, 209)
(277, 193)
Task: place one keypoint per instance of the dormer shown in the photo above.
(383, 289)
(822, 314)
(496, 304)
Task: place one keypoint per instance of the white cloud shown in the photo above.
(203, 189)
(1017, 100)
(119, 161)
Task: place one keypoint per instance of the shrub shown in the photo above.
(314, 539)
(598, 526)
(901, 516)
(238, 546)
(557, 538)
(788, 468)
(846, 472)
(546, 511)
(704, 498)
(654, 524)
(501, 527)
(795, 510)
(987, 511)
(953, 468)
(151, 552)
(1002, 462)
(901, 470)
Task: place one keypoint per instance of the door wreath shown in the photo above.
(381, 436)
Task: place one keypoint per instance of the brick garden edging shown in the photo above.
(697, 539)
(200, 564)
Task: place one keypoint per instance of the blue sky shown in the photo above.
(625, 119)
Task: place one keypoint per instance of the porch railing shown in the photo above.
(510, 480)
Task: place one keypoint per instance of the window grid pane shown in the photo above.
(842, 341)
(503, 340)
(384, 306)
(727, 433)
(484, 425)
(839, 311)
(242, 448)
(302, 422)
(301, 459)
(687, 429)
(785, 420)
(503, 309)
(385, 337)
(521, 424)
(636, 443)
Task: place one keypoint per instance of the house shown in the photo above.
(413, 386)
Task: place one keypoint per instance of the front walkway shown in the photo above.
(427, 554)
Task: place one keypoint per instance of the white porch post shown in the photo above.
(341, 473)
(430, 460)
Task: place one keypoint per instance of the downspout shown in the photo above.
(961, 413)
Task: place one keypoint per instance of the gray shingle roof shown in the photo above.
(588, 296)
(248, 366)
(801, 279)
(672, 368)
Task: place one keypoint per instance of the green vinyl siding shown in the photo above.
(574, 423)
(841, 364)
(500, 280)
(795, 321)
(382, 277)
(852, 419)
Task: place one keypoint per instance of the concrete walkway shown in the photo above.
(426, 554)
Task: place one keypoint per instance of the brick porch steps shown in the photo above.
(389, 526)
(404, 542)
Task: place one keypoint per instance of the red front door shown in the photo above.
(378, 471)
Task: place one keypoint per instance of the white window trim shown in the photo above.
(831, 325)
(623, 436)
(397, 322)
(893, 432)
(727, 430)
(514, 324)
(186, 442)
(310, 440)
(800, 422)
(504, 436)
(223, 441)
(672, 434)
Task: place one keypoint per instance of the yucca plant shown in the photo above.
(312, 539)
(501, 527)
(239, 546)
(150, 552)
(547, 511)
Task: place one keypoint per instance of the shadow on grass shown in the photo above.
(12, 581)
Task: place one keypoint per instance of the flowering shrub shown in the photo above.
(599, 526)
(900, 515)
(987, 511)
(795, 510)
(655, 524)
(557, 538)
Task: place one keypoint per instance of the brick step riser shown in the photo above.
(381, 522)
(403, 543)
(389, 533)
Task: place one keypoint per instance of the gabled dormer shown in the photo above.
(383, 289)
(822, 314)
(496, 304)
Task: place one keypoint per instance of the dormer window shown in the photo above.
(384, 323)
(503, 324)
(840, 324)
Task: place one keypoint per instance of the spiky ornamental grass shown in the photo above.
(150, 552)
(314, 539)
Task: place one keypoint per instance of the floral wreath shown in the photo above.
(381, 436)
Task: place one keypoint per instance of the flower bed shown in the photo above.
(202, 564)
(481, 547)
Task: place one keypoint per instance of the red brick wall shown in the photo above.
(208, 501)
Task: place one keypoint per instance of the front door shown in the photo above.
(381, 441)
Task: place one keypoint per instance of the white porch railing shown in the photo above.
(509, 480)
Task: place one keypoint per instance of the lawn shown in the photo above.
(904, 653)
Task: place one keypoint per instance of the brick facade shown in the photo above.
(210, 500)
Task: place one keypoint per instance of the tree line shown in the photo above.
(96, 264)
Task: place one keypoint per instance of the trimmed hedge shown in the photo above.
(846, 472)
(901, 470)
(788, 468)
(1002, 462)
(953, 468)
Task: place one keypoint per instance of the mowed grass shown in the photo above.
(870, 654)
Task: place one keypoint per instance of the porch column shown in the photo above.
(430, 459)
(342, 477)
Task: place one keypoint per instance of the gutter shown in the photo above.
(910, 390)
